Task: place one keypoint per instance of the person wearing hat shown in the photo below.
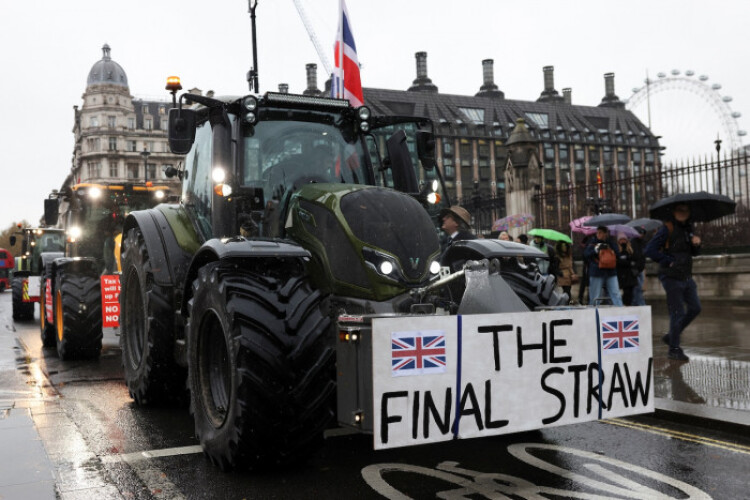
(456, 222)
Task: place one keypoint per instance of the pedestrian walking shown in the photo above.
(504, 236)
(582, 299)
(567, 274)
(546, 267)
(673, 248)
(602, 253)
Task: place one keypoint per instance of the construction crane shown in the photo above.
(313, 36)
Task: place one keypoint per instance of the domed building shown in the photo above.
(119, 138)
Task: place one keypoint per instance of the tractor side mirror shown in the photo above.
(13, 240)
(181, 130)
(402, 168)
(426, 149)
(51, 211)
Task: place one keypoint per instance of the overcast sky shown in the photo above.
(47, 48)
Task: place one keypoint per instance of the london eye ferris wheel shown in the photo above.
(689, 113)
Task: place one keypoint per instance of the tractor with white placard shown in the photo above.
(80, 284)
(36, 242)
(306, 227)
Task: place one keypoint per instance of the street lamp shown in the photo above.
(145, 153)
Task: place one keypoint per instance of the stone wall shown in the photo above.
(720, 278)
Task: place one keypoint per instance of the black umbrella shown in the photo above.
(704, 207)
(606, 220)
(646, 224)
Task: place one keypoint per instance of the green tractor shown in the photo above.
(37, 243)
(296, 211)
(91, 216)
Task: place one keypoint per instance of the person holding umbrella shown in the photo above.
(602, 271)
(674, 247)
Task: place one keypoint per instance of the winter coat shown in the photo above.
(627, 269)
(673, 250)
(566, 270)
(592, 255)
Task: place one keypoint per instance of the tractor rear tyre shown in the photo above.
(261, 367)
(78, 315)
(49, 334)
(147, 330)
(22, 311)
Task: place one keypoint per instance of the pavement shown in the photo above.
(711, 390)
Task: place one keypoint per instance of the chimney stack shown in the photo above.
(610, 100)
(549, 94)
(488, 88)
(283, 88)
(567, 98)
(422, 83)
(312, 80)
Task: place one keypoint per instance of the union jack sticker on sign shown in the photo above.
(418, 353)
(620, 334)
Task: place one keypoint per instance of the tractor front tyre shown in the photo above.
(48, 332)
(261, 367)
(78, 315)
(147, 330)
(533, 288)
(22, 311)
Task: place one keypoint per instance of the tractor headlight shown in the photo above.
(250, 117)
(74, 233)
(224, 190)
(250, 103)
(383, 264)
(364, 113)
(364, 126)
(435, 267)
(386, 268)
(218, 175)
(159, 194)
(433, 198)
(95, 193)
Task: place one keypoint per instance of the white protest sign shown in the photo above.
(515, 371)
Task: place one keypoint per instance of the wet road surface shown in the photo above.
(104, 446)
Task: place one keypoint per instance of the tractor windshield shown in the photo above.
(281, 156)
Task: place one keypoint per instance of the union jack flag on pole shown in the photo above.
(417, 353)
(345, 81)
(620, 334)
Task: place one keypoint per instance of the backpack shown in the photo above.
(607, 259)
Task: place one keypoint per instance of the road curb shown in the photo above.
(724, 419)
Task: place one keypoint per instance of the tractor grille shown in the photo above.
(394, 222)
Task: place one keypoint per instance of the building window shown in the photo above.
(131, 123)
(148, 124)
(162, 110)
(164, 124)
(114, 171)
(133, 170)
(132, 146)
(145, 109)
(111, 121)
(540, 119)
(152, 171)
(95, 169)
(549, 152)
(113, 143)
(149, 146)
(93, 144)
(94, 121)
(474, 115)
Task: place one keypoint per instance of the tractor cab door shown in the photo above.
(402, 153)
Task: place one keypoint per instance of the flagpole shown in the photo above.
(340, 88)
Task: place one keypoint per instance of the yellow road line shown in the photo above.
(684, 436)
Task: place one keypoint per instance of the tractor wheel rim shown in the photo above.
(214, 370)
(135, 320)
